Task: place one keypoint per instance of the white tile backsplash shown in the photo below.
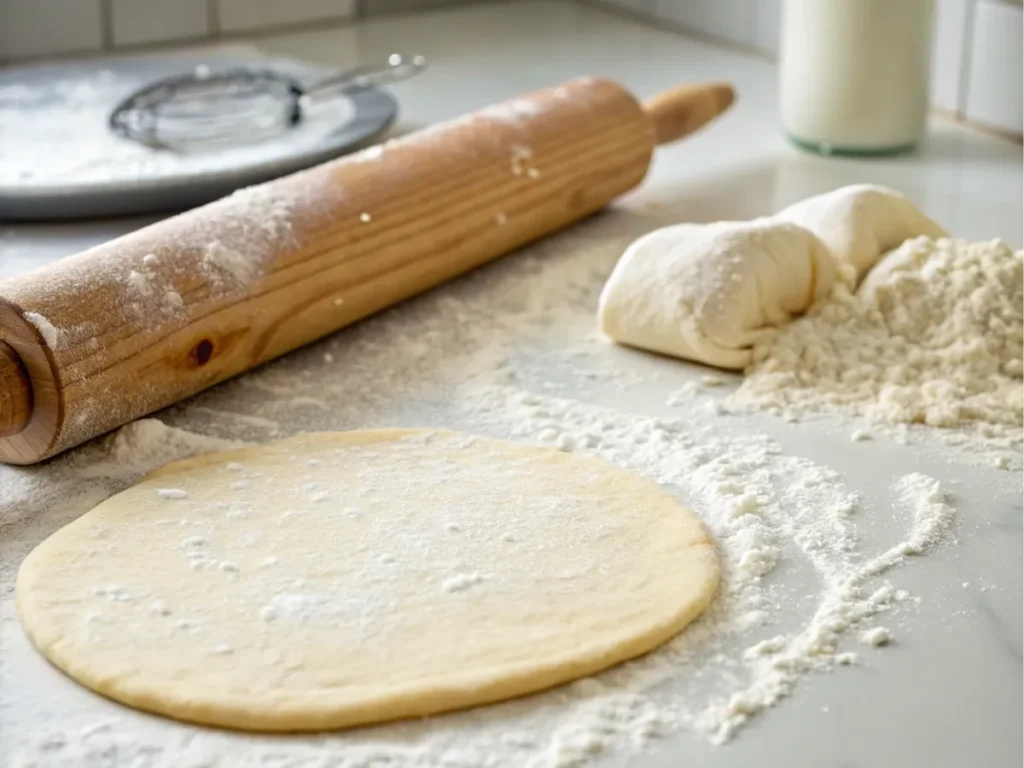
(245, 15)
(45, 27)
(950, 49)
(768, 21)
(135, 22)
(995, 75)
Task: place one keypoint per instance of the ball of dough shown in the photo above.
(707, 292)
(330, 580)
(861, 222)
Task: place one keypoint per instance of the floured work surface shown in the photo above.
(880, 562)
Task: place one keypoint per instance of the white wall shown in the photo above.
(976, 66)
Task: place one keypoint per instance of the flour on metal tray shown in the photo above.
(64, 139)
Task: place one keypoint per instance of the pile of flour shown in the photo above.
(933, 336)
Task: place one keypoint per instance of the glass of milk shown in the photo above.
(854, 74)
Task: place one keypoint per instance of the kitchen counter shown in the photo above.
(947, 694)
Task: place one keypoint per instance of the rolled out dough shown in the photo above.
(330, 580)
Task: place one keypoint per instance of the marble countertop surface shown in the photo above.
(949, 693)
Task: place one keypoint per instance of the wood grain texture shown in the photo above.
(160, 314)
(47, 414)
(15, 392)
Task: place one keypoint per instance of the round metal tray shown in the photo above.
(172, 184)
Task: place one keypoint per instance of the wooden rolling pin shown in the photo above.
(101, 338)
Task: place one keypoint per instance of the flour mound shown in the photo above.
(933, 336)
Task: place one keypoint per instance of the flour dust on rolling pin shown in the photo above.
(137, 324)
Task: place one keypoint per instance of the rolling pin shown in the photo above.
(104, 337)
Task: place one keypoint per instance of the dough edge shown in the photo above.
(305, 711)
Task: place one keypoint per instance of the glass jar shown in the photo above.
(854, 74)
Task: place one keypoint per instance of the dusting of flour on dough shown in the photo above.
(460, 582)
(171, 493)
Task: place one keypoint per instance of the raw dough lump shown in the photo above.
(707, 292)
(861, 222)
(330, 580)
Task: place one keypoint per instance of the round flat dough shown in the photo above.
(330, 580)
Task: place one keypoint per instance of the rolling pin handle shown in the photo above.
(682, 110)
(15, 393)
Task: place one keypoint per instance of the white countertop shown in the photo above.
(948, 693)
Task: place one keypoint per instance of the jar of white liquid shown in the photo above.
(854, 74)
